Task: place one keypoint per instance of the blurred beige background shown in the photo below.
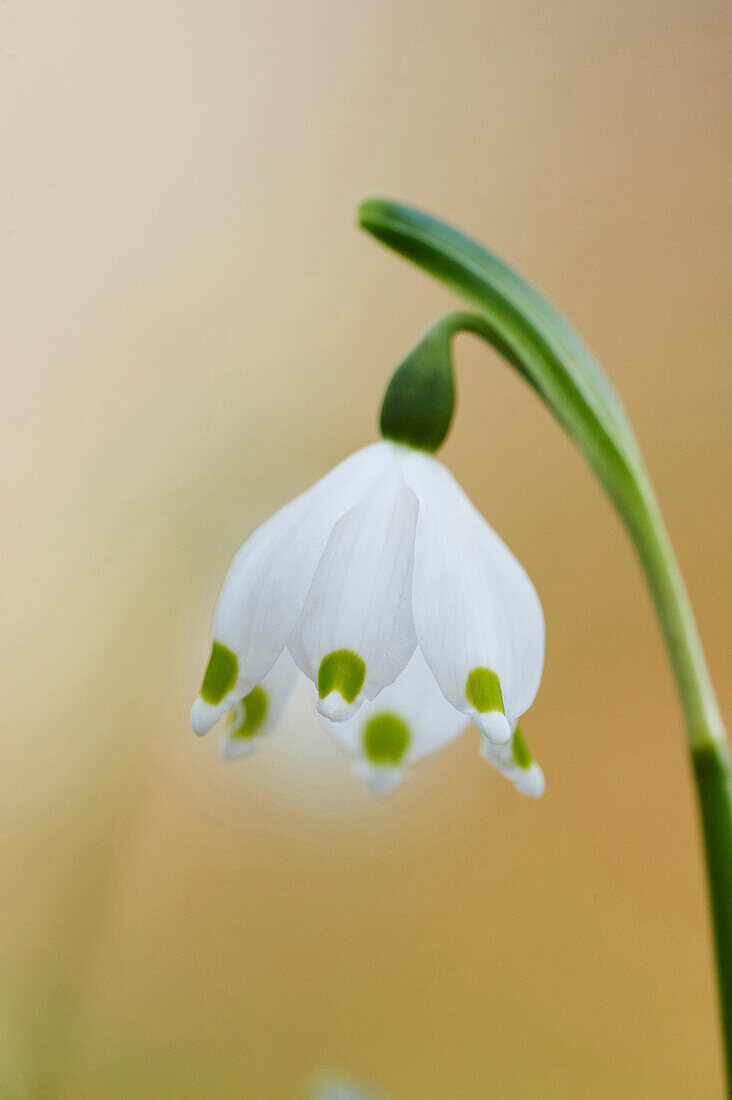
(192, 332)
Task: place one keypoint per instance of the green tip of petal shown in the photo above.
(221, 673)
(344, 671)
(246, 721)
(521, 752)
(483, 691)
(385, 739)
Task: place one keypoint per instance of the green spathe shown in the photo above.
(254, 711)
(221, 673)
(385, 738)
(483, 690)
(521, 752)
(342, 670)
(420, 398)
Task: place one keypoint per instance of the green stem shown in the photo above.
(524, 326)
(706, 737)
(712, 773)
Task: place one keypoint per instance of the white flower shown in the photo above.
(391, 593)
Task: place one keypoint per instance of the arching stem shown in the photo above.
(520, 323)
(706, 737)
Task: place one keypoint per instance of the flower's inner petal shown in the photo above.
(356, 633)
(478, 619)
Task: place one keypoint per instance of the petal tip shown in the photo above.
(335, 708)
(234, 748)
(531, 782)
(379, 778)
(494, 725)
(204, 716)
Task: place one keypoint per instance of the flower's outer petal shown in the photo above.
(478, 618)
(356, 633)
(261, 710)
(407, 720)
(268, 580)
(515, 762)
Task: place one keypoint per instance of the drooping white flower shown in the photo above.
(393, 595)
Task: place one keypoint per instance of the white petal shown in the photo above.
(417, 716)
(379, 778)
(474, 606)
(261, 710)
(356, 633)
(268, 580)
(527, 777)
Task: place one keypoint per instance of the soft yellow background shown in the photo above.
(192, 332)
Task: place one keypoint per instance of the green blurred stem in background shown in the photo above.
(522, 325)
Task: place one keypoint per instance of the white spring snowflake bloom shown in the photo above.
(386, 588)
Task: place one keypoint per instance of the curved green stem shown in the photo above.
(522, 325)
(641, 515)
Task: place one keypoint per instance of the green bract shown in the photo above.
(420, 399)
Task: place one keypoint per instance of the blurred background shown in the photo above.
(193, 331)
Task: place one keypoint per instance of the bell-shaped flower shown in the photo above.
(395, 598)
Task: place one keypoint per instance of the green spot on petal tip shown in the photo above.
(483, 691)
(385, 739)
(246, 721)
(221, 673)
(521, 752)
(343, 671)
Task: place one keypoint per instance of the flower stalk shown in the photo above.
(524, 327)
